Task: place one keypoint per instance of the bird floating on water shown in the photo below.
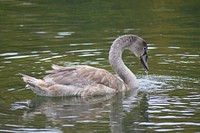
(83, 80)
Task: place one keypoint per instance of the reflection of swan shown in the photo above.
(78, 112)
(66, 109)
(90, 81)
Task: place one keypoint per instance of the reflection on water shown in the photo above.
(132, 110)
(35, 35)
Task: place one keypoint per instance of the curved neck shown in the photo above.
(115, 59)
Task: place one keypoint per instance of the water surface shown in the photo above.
(36, 34)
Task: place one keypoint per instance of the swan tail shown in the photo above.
(38, 86)
(43, 88)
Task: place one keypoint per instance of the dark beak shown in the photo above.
(143, 60)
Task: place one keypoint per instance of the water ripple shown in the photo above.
(8, 54)
(21, 56)
(169, 123)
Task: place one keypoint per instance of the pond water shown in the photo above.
(36, 34)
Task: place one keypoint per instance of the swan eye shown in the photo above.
(145, 51)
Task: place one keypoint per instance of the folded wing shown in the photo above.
(81, 76)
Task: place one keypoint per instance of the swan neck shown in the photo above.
(115, 59)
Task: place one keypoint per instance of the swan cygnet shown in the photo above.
(86, 81)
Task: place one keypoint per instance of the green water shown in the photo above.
(36, 34)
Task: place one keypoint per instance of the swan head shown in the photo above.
(139, 48)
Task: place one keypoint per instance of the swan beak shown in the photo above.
(143, 60)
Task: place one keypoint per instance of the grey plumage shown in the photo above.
(90, 81)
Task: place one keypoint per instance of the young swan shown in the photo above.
(90, 81)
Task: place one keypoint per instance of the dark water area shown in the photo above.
(36, 34)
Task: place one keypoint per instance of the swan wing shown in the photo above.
(81, 76)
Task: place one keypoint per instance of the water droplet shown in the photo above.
(146, 73)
